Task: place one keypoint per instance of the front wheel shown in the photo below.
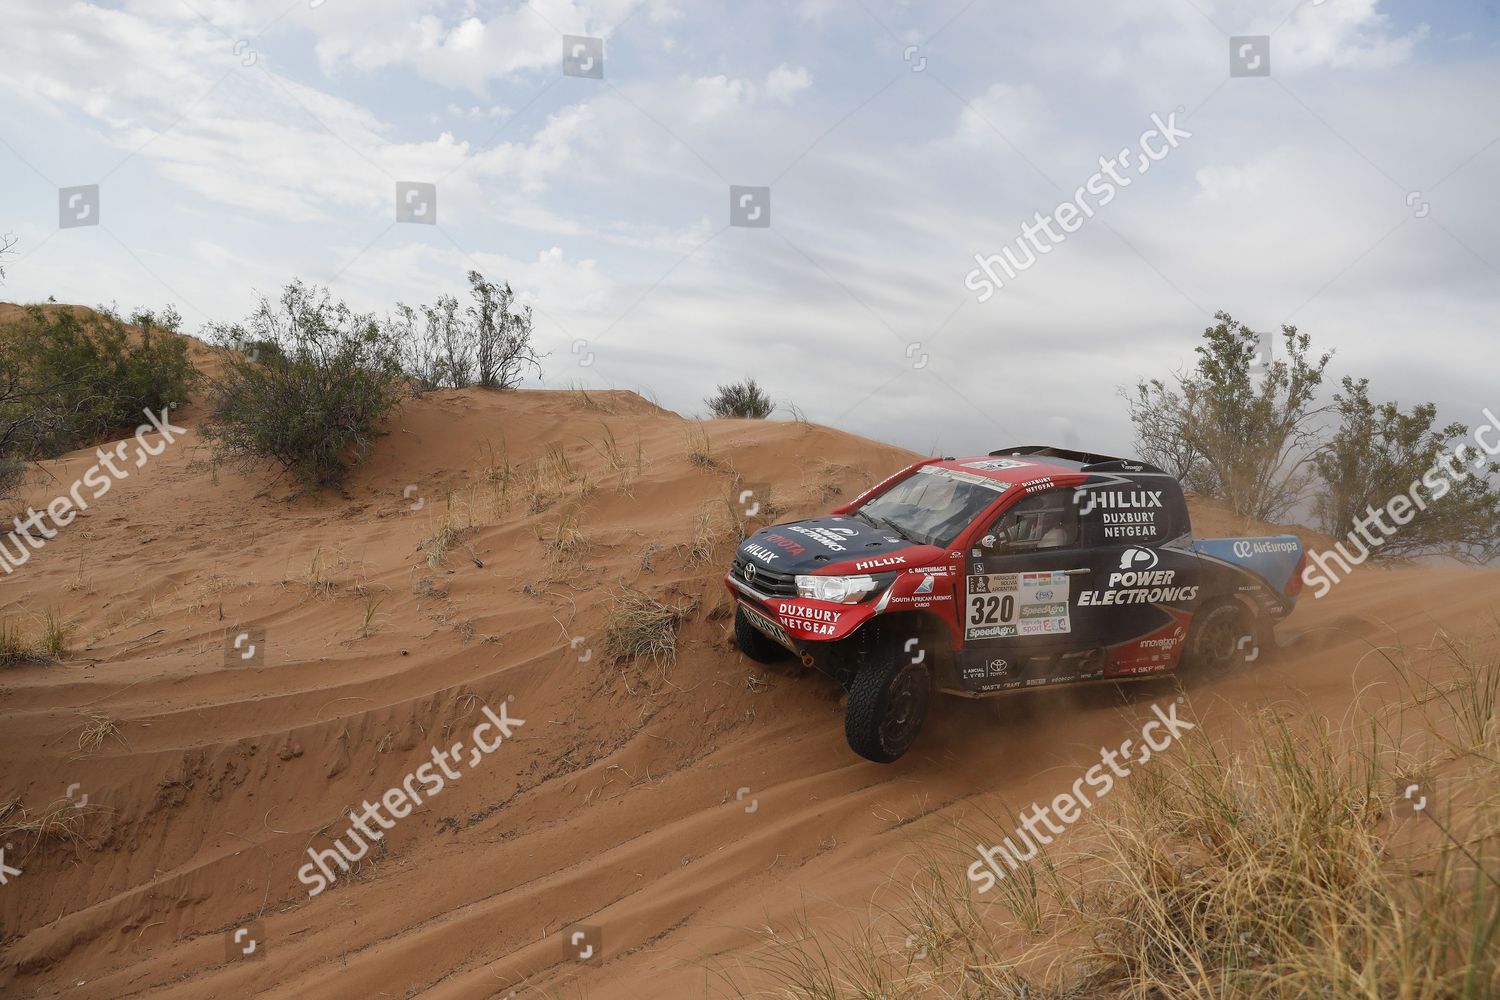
(888, 702)
(1222, 637)
(753, 643)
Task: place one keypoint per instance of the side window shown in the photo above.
(1039, 522)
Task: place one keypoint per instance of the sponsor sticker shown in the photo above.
(807, 619)
(830, 538)
(1246, 548)
(866, 564)
(1129, 523)
(1017, 604)
(790, 545)
(1145, 586)
(965, 477)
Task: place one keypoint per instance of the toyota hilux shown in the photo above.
(1027, 568)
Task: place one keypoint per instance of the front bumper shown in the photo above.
(802, 620)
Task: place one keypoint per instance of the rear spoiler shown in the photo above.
(1090, 461)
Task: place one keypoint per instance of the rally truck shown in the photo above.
(1026, 568)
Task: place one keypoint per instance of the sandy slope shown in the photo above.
(614, 805)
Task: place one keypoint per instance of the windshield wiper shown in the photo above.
(900, 531)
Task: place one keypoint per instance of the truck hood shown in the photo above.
(832, 544)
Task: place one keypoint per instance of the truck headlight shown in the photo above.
(837, 589)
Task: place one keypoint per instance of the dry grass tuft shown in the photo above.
(62, 820)
(641, 627)
(548, 478)
(52, 646)
(711, 530)
(453, 527)
(567, 541)
(369, 620)
(628, 469)
(699, 448)
(80, 582)
(98, 729)
(328, 571)
(56, 636)
(599, 403)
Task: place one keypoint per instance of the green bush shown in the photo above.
(306, 382)
(741, 399)
(72, 377)
(487, 344)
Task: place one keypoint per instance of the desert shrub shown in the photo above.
(487, 343)
(740, 399)
(71, 377)
(1377, 452)
(12, 475)
(311, 395)
(1231, 432)
(1258, 436)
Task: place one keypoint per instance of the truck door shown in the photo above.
(1143, 589)
(1021, 624)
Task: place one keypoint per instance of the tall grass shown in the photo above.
(1280, 863)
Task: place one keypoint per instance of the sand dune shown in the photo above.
(473, 561)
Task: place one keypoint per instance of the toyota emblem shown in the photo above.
(749, 572)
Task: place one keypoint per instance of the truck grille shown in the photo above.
(767, 581)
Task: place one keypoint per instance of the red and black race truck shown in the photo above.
(1026, 568)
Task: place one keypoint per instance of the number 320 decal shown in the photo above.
(1017, 604)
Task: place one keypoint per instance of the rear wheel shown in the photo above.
(753, 642)
(1222, 637)
(888, 702)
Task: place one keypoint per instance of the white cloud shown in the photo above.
(1349, 34)
(784, 82)
(1018, 113)
(450, 45)
(597, 200)
(712, 97)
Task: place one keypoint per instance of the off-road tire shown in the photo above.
(753, 643)
(1223, 637)
(888, 702)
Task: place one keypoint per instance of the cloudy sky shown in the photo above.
(239, 143)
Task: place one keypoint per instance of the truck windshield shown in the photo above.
(933, 506)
